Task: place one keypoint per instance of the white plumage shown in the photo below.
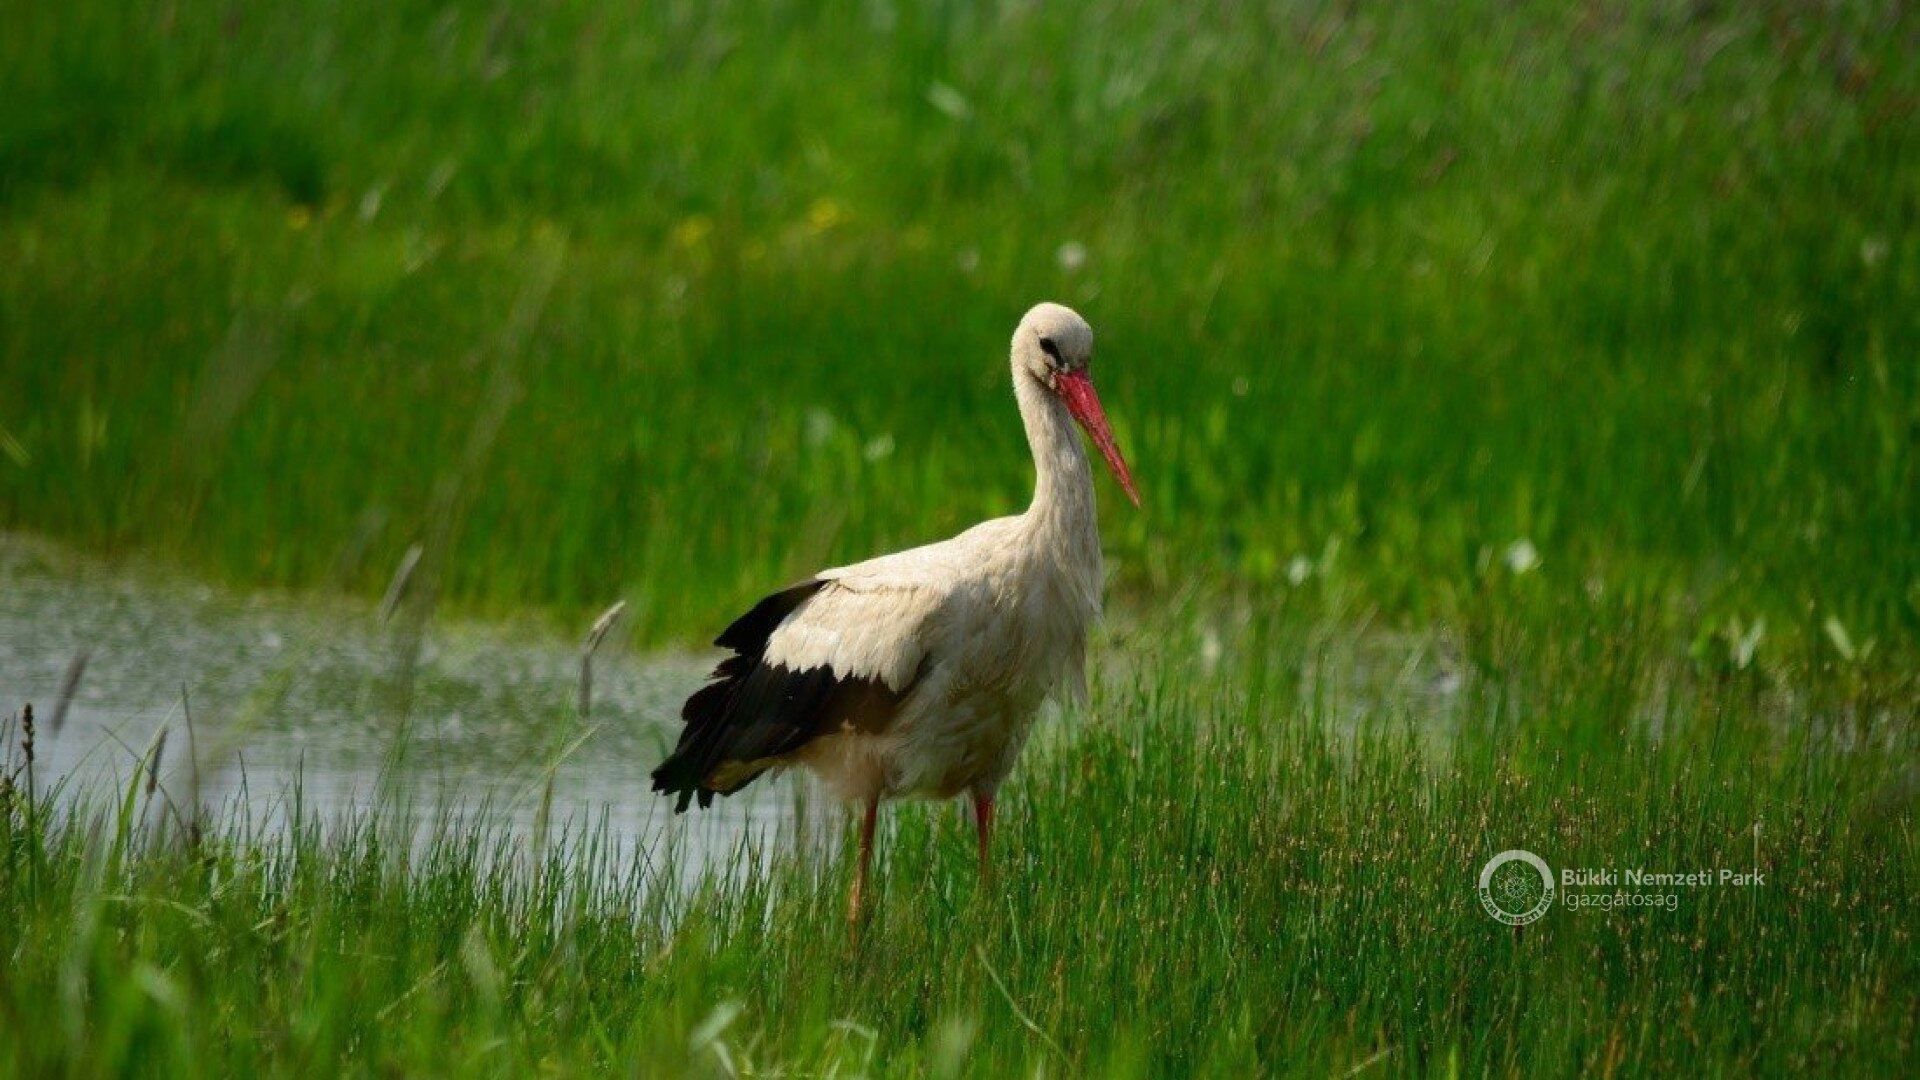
(920, 673)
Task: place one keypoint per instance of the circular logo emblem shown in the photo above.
(1516, 887)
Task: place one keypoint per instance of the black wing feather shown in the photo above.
(753, 711)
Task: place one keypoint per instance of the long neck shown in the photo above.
(1063, 481)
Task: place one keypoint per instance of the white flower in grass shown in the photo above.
(1522, 557)
(1211, 650)
(1071, 256)
(1842, 641)
(1744, 641)
(820, 426)
(949, 101)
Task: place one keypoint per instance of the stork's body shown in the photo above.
(920, 673)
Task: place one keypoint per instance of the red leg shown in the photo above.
(867, 822)
(983, 824)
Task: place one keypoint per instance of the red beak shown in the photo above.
(1076, 389)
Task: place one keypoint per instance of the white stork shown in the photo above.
(919, 673)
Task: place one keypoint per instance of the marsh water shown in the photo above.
(265, 705)
(325, 706)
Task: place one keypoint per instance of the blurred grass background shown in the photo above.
(673, 301)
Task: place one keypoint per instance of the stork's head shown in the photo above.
(1054, 346)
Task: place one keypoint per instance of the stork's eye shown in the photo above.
(1047, 346)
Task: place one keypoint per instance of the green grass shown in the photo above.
(1211, 876)
(1634, 284)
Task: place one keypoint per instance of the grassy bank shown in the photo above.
(1233, 875)
(673, 304)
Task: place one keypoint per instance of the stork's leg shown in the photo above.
(867, 821)
(983, 824)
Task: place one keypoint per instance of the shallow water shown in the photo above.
(319, 693)
(284, 688)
